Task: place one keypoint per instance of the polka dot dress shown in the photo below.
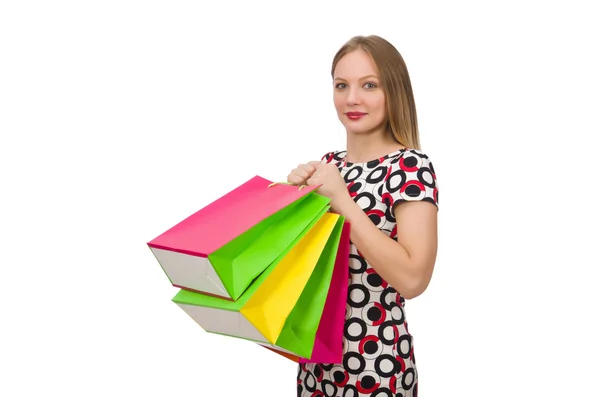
(379, 359)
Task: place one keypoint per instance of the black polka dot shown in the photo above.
(374, 314)
(371, 347)
(375, 219)
(373, 163)
(368, 382)
(338, 377)
(374, 280)
(355, 187)
(413, 191)
(411, 161)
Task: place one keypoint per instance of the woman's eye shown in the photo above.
(367, 85)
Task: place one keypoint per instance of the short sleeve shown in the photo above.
(410, 177)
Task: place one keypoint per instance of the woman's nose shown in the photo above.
(352, 97)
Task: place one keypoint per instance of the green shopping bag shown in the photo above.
(300, 329)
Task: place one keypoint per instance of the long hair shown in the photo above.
(395, 80)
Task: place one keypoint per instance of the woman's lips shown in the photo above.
(355, 115)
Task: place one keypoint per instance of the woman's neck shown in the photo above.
(365, 147)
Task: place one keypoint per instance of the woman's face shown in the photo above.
(358, 98)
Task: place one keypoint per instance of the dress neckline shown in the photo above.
(344, 163)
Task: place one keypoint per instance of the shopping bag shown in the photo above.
(260, 314)
(223, 247)
(328, 341)
(329, 338)
(302, 325)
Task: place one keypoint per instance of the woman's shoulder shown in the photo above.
(411, 157)
(409, 152)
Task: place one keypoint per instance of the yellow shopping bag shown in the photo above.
(268, 308)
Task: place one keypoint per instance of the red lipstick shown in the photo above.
(355, 115)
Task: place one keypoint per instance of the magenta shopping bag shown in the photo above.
(328, 342)
(220, 249)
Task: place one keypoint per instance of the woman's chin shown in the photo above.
(356, 130)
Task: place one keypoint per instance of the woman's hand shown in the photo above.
(301, 174)
(332, 184)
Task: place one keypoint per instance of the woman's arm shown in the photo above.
(407, 265)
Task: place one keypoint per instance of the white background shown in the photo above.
(120, 118)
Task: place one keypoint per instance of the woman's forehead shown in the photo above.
(355, 65)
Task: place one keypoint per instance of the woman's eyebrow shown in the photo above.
(369, 76)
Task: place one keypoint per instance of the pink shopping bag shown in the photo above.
(220, 249)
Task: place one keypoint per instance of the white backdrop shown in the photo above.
(120, 118)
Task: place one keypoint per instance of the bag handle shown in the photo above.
(287, 183)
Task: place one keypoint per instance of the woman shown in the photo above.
(386, 187)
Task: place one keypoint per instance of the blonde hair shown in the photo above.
(395, 80)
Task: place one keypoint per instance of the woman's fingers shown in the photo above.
(295, 179)
(301, 174)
